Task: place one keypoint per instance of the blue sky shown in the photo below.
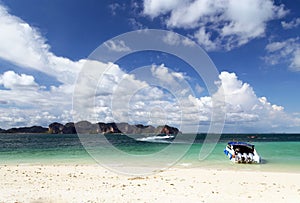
(253, 44)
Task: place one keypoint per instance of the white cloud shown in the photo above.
(241, 22)
(135, 98)
(189, 14)
(109, 88)
(115, 7)
(147, 104)
(204, 39)
(295, 65)
(136, 25)
(221, 24)
(275, 46)
(199, 89)
(118, 46)
(11, 80)
(175, 40)
(188, 42)
(31, 50)
(171, 39)
(24, 102)
(29, 47)
(14, 117)
(164, 74)
(153, 8)
(290, 25)
(24, 99)
(245, 109)
(237, 93)
(23, 92)
(287, 51)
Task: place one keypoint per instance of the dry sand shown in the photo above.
(92, 183)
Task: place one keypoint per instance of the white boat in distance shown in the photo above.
(164, 138)
(241, 152)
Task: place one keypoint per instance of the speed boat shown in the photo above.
(164, 137)
(241, 152)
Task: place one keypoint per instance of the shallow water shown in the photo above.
(279, 152)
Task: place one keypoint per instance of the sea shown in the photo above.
(278, 152)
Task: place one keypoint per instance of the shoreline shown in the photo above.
(222, 163)
(93, 183)
(181, 166)
(184, 163)
(178, 166)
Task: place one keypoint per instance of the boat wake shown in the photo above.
(158, 139)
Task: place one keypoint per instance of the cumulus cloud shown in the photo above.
(145, 103)
(163, 74)
(130, 97)
(287, 51)
(31, 50)
(238, 94)
(29, 47)
(166, 98)
(15, 117)
(153, 105)
(24, 46)
(290, 25)
(221, 24)
(22, 94)
(12, 80)
(244, 109)
(100, 86)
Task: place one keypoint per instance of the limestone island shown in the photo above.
(95, 128)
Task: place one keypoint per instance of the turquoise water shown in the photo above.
(276, 156)
(279, 152)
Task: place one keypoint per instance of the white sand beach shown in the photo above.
(92, 183)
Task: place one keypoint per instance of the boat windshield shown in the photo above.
(243, 149)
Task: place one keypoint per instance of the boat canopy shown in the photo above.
(240, 144)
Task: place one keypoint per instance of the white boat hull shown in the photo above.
(242, 157)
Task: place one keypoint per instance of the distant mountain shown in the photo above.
(105, 128)
(32, 129)
(94, 128)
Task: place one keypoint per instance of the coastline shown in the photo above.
(48, 169)
(93, 183)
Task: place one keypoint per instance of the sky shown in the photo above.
(254, 45)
